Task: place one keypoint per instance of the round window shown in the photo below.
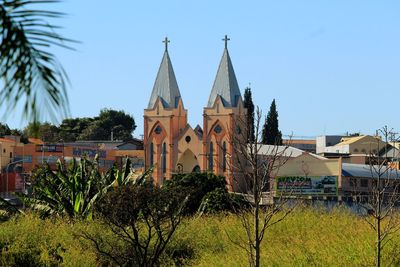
(158, 129)
(188, 139)
(217, 129)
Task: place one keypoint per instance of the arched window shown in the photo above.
(151, 154)
(224, 156)
(164, 158)
(211, 158)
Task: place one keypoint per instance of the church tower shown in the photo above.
(164, 119)
(222, 120)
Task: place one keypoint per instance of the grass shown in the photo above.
(308, 237)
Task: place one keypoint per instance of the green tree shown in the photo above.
(45, 131)
(71, 128)
(270, 133)
(30, 72)
(4, 130)
(143, 219)
(197, 185)
(110, 122)
(248, 103)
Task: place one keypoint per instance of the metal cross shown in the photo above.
(166, 41)
(226, 39)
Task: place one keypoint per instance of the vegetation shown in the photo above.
(29, 70)
(248, 104)
(143, 219)
(308, 237)
(197, 186)
(254, 172)
(271, 135)
(381, 202)
(109, 123)
(5, 130)
(74, 189)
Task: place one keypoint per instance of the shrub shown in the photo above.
(216, 201)
(74, 189)
(27, 240)
(197, 185)
(143, 218)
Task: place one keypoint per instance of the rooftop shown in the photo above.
(165, 87)
(225, 83)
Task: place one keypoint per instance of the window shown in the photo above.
(158, 129)
(224, 156)
(151, 154)
(217, 129)
(355, 150)
(164, 158)
(211, 158)
(364, 183)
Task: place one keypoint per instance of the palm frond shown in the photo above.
(29, 71)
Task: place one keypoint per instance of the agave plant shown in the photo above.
(73, 190)
(28, 69)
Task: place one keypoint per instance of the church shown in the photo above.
(172, 146)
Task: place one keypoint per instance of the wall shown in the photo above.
(326, 140)
(6, 152)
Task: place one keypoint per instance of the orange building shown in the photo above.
(20, 159)
(172, 145)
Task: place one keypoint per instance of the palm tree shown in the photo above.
(30, 72)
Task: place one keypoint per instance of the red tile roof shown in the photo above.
(7, 140)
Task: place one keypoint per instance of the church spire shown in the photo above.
(165, 87)
(225, 83)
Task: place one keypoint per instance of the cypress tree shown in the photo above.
(248, 103)
(271, 134)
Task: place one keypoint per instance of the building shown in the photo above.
(172, 145)
(18, 160)
(358, 149)
(326, 141)
(303, 144)
(7, 148)
(8, 144)
(310, 177)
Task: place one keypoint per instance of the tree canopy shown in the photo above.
(248, 104)
(119, 123)
(271, 134)
(109, 122)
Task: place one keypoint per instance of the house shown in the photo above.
(310, 177)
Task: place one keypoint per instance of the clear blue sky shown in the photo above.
(332, 66)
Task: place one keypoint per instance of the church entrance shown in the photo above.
(188, 162)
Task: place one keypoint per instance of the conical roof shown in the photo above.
(225, 83)
(165, 85)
